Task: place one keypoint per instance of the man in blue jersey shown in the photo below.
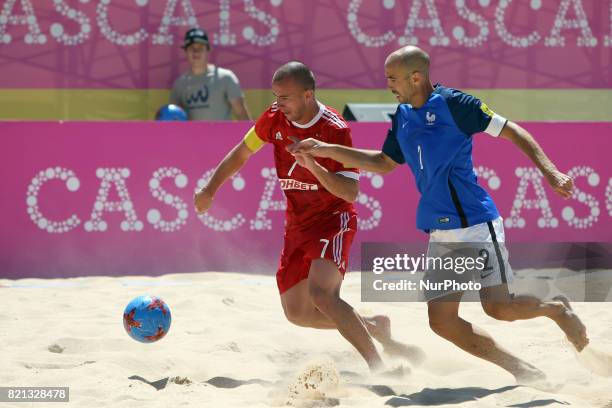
(432, 132)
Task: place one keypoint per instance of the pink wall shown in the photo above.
(55, 171)
(480, 44)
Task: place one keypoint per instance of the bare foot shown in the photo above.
(532, 377)
(398, 371)
(380, 329)
(529, 374)
(414, 354)
(571, 325)
(542, 385)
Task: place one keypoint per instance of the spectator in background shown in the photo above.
(206, 91)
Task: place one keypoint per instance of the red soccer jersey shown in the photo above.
(308, 202)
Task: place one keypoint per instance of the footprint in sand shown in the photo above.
(55, 348)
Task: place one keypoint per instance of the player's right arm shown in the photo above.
(229, 166)
(369, 160)
(377, 161)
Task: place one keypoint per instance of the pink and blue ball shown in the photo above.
(147, 319)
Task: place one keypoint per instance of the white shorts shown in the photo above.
(485, 241)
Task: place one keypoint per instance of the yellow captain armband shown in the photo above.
(252, 141)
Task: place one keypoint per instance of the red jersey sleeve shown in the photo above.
(265, 123)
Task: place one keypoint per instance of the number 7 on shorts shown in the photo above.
(326, 243)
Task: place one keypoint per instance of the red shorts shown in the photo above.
(330, 239)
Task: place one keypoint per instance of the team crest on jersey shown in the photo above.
(431, 118)
(278, 136)
(487, 111)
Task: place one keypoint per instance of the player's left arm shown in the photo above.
(560, 182)
(473, 116)
(341, 186)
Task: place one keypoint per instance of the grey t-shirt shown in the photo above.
(207, 96)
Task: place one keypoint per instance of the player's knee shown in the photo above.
(437, 327)
(499, 311)
(295, 314)
(321, 298)
(443, 327)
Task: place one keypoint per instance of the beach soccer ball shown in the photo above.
(171, 113)
(147, 319)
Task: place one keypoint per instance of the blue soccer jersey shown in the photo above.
(435, 140)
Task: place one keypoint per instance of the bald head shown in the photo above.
(407, 73)
(411, 59)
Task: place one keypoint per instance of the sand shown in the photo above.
(230, 346)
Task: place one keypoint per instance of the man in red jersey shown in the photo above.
(321, 220)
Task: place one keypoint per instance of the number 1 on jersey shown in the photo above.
(420, 157)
